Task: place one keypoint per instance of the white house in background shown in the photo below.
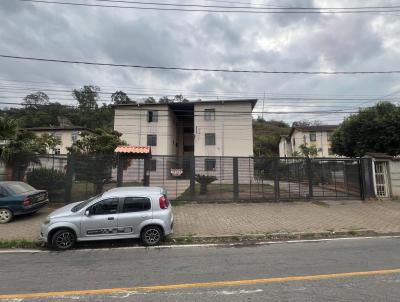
(67, 134)
(201, 128)
(318, 136)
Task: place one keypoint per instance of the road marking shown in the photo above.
(172, 246)
(153, 288)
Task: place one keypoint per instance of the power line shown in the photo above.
(201, 69)
(253, 10)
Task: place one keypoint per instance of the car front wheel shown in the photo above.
(63, 240)
(152, 235)
(5, 215)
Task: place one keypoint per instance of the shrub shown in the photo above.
(204, 181)
(47, 179)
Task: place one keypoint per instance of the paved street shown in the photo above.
(256, 218)
(340, 270)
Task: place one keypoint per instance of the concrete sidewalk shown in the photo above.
(255, 218)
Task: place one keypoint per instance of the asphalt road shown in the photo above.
(346, 270)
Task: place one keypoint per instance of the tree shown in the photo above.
(21, 150)
(267, 135)
(165, 100)
(306, 123)
(308, 151)
(204, 181)
(87, 97)
(150, 100)
(94, 155)
(35, 100)
(120, 97)
(373, 129)
(49, 141)
(8, 128)
(180, 99)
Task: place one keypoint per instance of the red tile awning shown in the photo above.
(133, 149)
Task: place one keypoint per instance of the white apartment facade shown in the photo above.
(212, 132)
(201, 128)
(318, 136)
(67, 135)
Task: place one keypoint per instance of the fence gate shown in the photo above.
(381, 179)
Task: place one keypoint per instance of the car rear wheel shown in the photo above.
(152, 235)
(5, 215)
(63, 240)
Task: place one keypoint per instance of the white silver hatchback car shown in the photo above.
(125, 212)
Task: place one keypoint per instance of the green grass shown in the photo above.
(19, 244)
(225, 191)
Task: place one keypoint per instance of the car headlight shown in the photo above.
(47, 220)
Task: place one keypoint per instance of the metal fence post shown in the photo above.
(366, 178)
(146, 172)
(275, 171)
(120, 170)
(310, 178)
(192, 176)
(69, 178)
(235, 178)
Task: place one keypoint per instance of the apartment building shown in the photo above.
(67, 135)
(201, 128)
(318, 136)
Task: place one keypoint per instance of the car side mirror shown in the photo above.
(87, 213)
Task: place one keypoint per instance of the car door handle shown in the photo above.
(145, 216)
(110, 218)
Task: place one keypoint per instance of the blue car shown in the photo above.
(17, 197)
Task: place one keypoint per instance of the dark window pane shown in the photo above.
(152, 116)
(210, 139)
(151, 140)
(136, 204)
(105, 207)
(209, 164)
(313, 137)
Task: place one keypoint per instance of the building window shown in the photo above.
(210, 139)
(210, 164)
(152, 116)
(313, 137)
(153, 165)
(329, 136)
(209, 114)
(58, 136)
(330, 151)
(294, 142)
(74, 137)
(57, 151)
(151, 140)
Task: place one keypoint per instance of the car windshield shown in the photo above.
(82, 204)
(20, 188)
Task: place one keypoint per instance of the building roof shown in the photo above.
(185, 104)
(316, 128)
(133, 149)
(58, 128)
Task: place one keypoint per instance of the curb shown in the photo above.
(191, 240)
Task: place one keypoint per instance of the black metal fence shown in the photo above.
(201, 179)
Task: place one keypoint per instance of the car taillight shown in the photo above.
(163, 202)
(26, 202)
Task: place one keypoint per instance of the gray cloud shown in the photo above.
(247, 41)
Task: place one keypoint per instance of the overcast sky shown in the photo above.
(283, 42)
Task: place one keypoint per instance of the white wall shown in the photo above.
(394, 169)
(66, 138)
(233, 132)
(322, 143)
(131, 121)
